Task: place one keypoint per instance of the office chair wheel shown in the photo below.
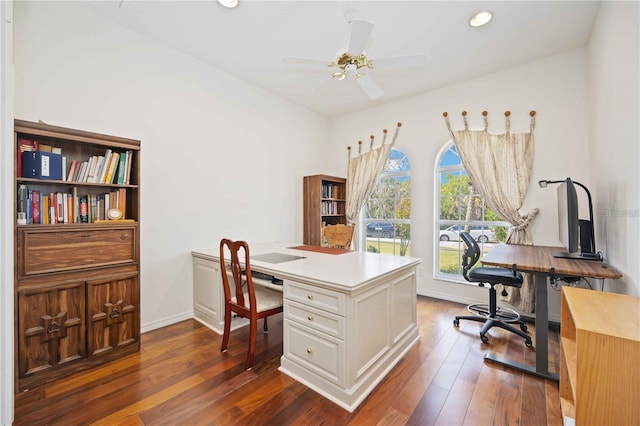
(456, 322)
(528, 343)
(523, 327)
(484, 338)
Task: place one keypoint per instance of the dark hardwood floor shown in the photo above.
(181, 378)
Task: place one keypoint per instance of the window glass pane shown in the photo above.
(461, 208)
(386, 225)
(450, 157)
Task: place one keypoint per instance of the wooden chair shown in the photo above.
(338, 236)
(242, 297)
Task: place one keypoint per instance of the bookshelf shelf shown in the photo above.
(66, 183)
(77, 285)
(324, 201)
(599, 352)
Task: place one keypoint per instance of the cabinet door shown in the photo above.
(208, 299)
(51, 328)
(112, 314)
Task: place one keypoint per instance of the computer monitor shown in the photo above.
(576, 234)
(568, 219)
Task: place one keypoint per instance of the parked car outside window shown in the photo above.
(479, 233)
(380, 229)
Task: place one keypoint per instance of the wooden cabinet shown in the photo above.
(77, 285)
(599, 353)
(324, 201)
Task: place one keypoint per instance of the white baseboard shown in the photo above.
(165, 321)
(469, 301)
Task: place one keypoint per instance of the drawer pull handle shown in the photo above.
(310, 296)
(115, 313)
(310, 317)
(309, 350)
(54, 327)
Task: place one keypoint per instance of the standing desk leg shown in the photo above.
(541, 368)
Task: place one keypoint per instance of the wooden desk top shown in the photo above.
(540, 259)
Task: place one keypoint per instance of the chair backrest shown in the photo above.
(235, 271)
(339, 235)
(471, 254)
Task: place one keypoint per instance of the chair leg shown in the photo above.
(265, 326)
(253, 332)
(491, 321)
(503, 325)
(227, 329)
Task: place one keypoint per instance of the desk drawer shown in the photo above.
(317, 352)
(46, 250)
(315, 318)
(326, 300)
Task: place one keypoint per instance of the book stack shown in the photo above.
(36, 207)
(110, 168)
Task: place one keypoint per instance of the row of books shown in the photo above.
(36, 207)
(330, 190)
(330, 207)
(112, 167)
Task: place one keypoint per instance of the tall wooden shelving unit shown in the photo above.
(77, 285)
(599, 353)
(324, 201)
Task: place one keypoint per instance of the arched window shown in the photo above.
(385, 224)
(459, 207)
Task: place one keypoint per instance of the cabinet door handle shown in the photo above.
(310, 296)
(115, 313)
(310, 317)
(54, 327)
(309, 350)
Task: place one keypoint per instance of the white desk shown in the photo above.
(348, 318)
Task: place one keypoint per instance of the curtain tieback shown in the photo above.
(526, 220)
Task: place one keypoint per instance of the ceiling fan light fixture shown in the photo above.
(228, 3)
(339, 75)
(480, 18)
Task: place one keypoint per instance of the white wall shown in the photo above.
(220, 157)
(614, 71)
(6, 213)
(556, 87)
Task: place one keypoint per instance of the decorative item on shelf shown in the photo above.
(114, 214)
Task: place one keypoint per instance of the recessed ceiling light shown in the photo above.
(228, 3)
(480, 19)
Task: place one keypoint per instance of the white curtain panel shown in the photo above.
(363, 172)
(499, 167)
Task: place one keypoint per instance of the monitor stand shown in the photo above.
(579, 256)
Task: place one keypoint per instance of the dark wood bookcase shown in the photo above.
(77, 285)
(324, 201)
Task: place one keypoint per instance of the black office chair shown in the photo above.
(491, 315)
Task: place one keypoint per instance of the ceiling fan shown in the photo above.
(354, 60)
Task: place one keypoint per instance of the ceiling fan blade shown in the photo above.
(305, 61)
(360, 32)
(407, 61)
(369, 86)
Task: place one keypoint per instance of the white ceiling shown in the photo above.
(251, 40)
